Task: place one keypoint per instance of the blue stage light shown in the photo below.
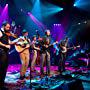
(82, 4)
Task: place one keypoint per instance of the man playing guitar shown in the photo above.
(45, 52)
(22, 45)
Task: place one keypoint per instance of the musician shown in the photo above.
(45, 54)
(35, 48)
(62, 54)
(4, 47)
(24, 53)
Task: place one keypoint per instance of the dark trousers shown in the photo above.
(45, 57)
(61, 64)
(3, 65)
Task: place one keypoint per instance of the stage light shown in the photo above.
(59, 24)
(35, 20)
(36, 11)
(50, 10)
(74, 5)
(85, 22)
(58, 31)
(79, 23)
(6, 4)
(77, 3)
(28, 13)
(60, 9)
(82, 4)
(4, 14)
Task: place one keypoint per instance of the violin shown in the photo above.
(11, 34)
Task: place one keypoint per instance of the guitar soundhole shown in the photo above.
(24, 45)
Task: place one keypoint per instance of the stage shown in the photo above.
(56, 81)
(54, 31)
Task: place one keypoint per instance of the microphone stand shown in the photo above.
(30, 77)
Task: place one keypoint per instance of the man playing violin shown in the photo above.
(4, 47)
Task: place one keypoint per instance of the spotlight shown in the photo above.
(79, 23)
(6, 4)
(29, 13)
(85, 22)
(74, 5)
(61, 9)
(59, 24)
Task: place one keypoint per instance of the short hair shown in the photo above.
(66, 37)
(47, 31)
(24, 31)
(33, 36)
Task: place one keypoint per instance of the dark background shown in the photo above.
(73, 15)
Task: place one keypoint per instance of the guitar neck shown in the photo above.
(74, 47)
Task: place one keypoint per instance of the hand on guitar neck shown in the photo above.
(51, 44)
(65, 49)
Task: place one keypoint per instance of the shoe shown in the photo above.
(42, 73)
(49, 75)
(33, 70)
(42, 76)
(21, 81)
(28, 77)
(22, 77)
(60, 72)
